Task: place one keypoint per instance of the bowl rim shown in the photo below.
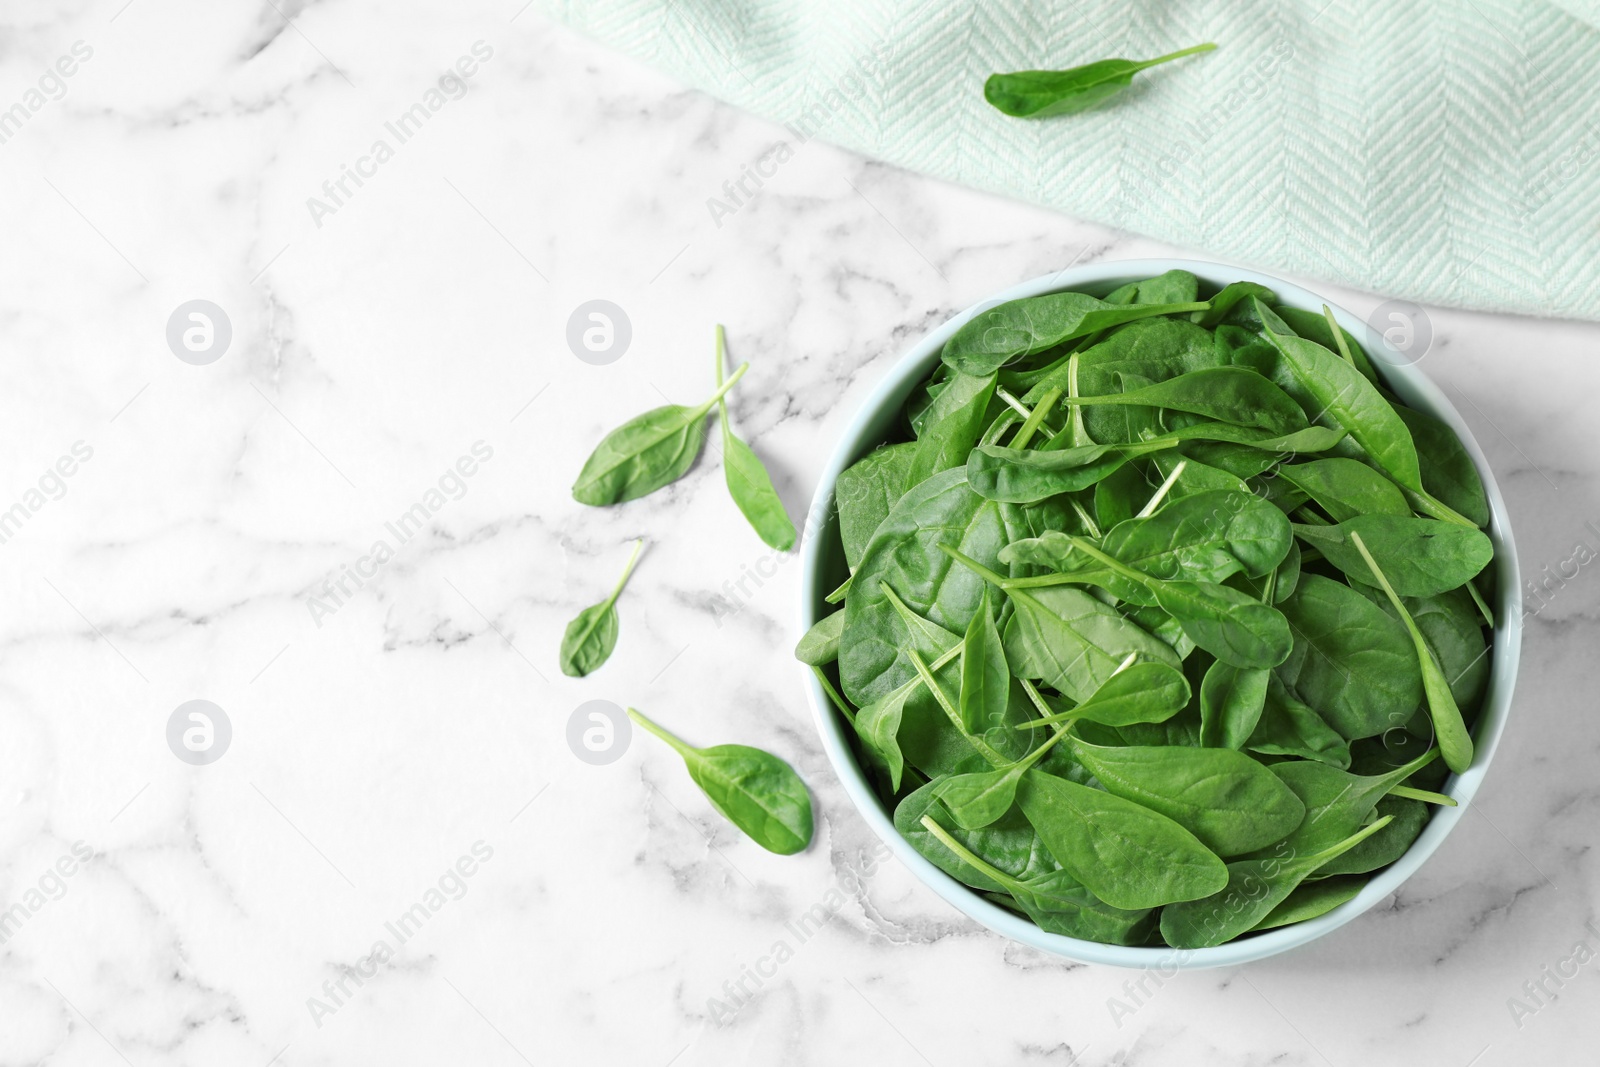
(1405, 380)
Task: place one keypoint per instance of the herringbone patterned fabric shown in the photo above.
(1447, 151)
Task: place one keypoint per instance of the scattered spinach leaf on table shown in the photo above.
(648, 451)
(748, 481)
(757, 792)
(1042, 93)
(590, 638)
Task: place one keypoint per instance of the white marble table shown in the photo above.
(247, 911)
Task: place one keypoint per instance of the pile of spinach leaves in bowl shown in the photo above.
(1163, 621)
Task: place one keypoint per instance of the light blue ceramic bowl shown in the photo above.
(823, 568)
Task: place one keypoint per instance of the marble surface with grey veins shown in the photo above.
(349, 530)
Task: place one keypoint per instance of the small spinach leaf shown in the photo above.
(591, 636)
(1142, 692)
(748, 481)
(985, 678)
(820, 645)
(757, 792)
(647, 452)
(1042, 93)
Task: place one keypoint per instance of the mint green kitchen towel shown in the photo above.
(1445, 151)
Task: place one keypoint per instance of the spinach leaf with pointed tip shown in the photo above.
(979, 798)
(755, 790)
(1337, 803)
(647, 452)
(1420, 557)
(748, 481)
(1448, 725)
(1381, 849)
(1225, 301)
(1448, 473)
(1027, 476)
(954, 424)
(1042, 93)
(1335, 389)
(1143, 692)
(820, 645)
(985, 677)
(590, 638)
(1228, 800)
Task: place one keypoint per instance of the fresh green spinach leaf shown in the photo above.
(590, 638)
(1124, 853)
(1254, 888)
(1007, 332)
(1420, 557)
(647, 452)
(1042, 93)
(820, 645)
(748, 481)
(755, 790)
